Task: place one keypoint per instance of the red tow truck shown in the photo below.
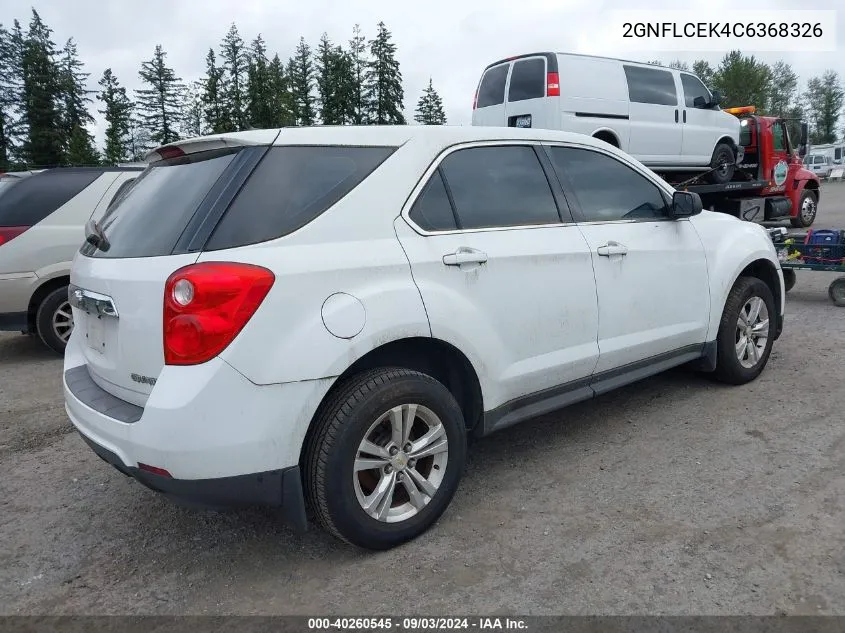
(770, 182)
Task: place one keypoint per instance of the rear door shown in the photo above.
(655, 119)
(501, 276)
(698, 121)
(533, 93)
(489, 106)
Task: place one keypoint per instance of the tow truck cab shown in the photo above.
(770, 182)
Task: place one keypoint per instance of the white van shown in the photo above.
(665, 118)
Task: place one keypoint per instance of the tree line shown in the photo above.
(774, 90)
(46, 101)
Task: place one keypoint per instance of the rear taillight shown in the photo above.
(206, 305)
(552, 85)
(8, 233)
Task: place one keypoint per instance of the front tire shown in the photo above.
(807, 209)
(723, 163)
(54, 320)
(385, 457)
(746, 332)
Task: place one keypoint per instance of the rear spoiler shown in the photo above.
(206, 143)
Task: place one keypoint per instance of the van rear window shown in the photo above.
(31, 199)
(528, 80)
(492, 89)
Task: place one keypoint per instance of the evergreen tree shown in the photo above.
(383, 86)
(11, 43)
(335, 84)
(702, 69)
(117, 110)
(430, 107)
(260, 112)
(193, 120)
(216, 117)
(824, 98)
(301, 83)
(159, 104)
(235, 60)
(139, 139)
(73, 99)
(281, 103)
(784, 89)
(43, 144)
(358, 62)
(743, 80)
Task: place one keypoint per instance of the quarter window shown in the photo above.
(651, 85)
(606, 189)
(432, 211)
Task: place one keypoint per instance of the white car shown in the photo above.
(664, 117)
(323, 315)
(42, 225)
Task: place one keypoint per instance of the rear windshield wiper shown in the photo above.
(95, 237)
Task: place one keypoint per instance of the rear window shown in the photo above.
(528, 80)
(27, 201)
(291, 187)
(150, 218)
(492, 89)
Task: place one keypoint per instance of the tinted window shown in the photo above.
(149, 219)
(651, 85)
(528, 80)
(432, 211)
(693, 88)
(499, 186)
(290, 187)
(744, 133)
(606, 189)
(32, 199)
(492, 89)
(837, 153)
(778, 137)
(117, 197)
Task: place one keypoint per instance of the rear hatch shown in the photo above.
(118, 278)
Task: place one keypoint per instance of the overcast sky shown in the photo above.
(448, 40)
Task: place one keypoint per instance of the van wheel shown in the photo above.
(746, 332)
(807, 209)
(54, 320)
(385, 457)
(724, 159)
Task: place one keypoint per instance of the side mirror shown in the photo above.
(699, 102)
(716, 98)
(685, 204)
(805, 136)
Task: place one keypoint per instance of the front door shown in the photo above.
(502, 277)
(651, 272)
(655, 118)
(698, 120)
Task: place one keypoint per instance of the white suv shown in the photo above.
(324, 315)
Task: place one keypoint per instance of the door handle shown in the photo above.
(465, 255)
(685, 116)
(676, 115)
(612, 248)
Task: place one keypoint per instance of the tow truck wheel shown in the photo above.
(789, 279)
(723, 164)
(807, 209)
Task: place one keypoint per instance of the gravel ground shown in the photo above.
(674, 496)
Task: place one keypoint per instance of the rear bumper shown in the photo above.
(278, 488)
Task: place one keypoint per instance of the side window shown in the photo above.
(651, 85)
(34, 198)
(499, 186)
(528, 80)
(432, 211)
(693, 88)
(778, 137)
(492, 89)
(606, 189)
(837, 154)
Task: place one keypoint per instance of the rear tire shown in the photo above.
(746, 332)
(371, 436)
(725, 156)
(54, 320)
(807, 209)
